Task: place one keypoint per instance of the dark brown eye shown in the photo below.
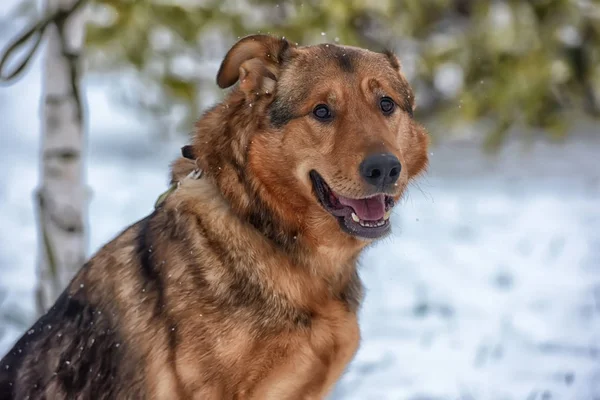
(322, 113)
(387, 105)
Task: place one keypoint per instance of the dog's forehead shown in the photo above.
(330, 67)
(332, 59)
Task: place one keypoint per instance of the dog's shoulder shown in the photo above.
(73, 349)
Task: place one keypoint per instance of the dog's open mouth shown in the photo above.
(367, 217)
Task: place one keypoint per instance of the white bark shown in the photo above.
(62, 195)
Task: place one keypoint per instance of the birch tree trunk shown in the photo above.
(62, 194)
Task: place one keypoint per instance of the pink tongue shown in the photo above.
(371, 209)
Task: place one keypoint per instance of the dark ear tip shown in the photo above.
(188, 152)
(221, 82)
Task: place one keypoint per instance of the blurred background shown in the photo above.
(489, 287)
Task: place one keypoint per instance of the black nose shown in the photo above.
(380, 169)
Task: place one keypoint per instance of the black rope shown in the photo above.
(35, 33)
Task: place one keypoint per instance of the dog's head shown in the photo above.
(322, 137)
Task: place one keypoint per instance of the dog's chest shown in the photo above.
(310, 360)
(300, 363)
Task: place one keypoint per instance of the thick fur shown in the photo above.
(239, 285)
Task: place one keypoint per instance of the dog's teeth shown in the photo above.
(387, 215)
(369, 224)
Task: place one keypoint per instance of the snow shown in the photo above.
(489, 288)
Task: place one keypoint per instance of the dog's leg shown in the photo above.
(347, 338)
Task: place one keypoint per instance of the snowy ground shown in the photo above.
(490, 288)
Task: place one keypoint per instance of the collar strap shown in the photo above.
(187, 152)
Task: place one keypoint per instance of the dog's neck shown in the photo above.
(322, 273)
(221, 145)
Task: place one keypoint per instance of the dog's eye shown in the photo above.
(322, 113)
(387, 105)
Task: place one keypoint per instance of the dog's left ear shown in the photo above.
(254, 60)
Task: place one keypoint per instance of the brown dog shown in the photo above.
(243, 283)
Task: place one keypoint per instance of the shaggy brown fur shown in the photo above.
(240, 285)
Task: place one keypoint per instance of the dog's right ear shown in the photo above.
(254, 60)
